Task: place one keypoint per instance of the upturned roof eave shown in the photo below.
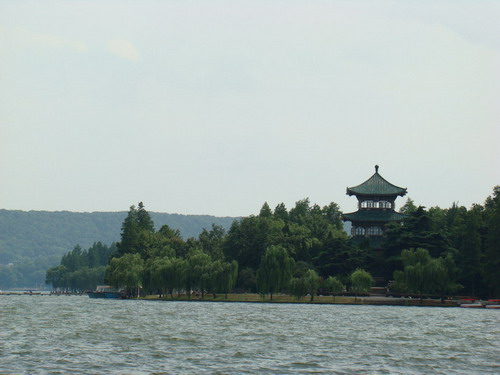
(377, 180)
(351, 192)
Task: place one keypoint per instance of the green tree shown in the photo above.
(137, 229)
(226, 275)
(281, 213)
(418, 231)
(248, 239)
(211, 241)
(334, 286)
(312, 282)
(57, 277)
(126, 272)
(198, 276)
(424, 274)
(361, 281)
(298, 287)
(265, 211)
(275, 270)
(491, 262)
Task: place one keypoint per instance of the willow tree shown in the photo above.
(126, 272)
(424, 274)
(312, 282)
(361, 281)
(275, 270)
(334, 286)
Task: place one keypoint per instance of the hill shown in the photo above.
(33, 241)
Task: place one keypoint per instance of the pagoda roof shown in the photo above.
(375, 215)
(378, 186)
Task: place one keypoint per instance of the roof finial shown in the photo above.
(376, 168)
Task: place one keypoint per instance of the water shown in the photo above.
(59, 335)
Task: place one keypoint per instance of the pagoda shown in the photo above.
(376, 208)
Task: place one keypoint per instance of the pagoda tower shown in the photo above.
(376, 208)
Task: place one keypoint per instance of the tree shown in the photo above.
(469, 243)
(424, 274)
(211, 241)
(57, 277)
(409, 207)
(418, 231)
(280, 212)
(247, 280)
(126, 272)
(198, 272)
(144, 221)
(275, 270)
(248, 239)
(491, 263)
(137, 231)
(334, 285)
(340, 256)
(298, 287)
(227, 277)
(312, 282)
(361, 281)
(265, 211)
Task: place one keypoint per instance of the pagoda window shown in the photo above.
(359, 231)
(375, 231)
(368, 204)
(384, 204)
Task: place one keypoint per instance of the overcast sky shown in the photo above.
(214, 107)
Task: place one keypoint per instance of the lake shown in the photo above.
(62, 334)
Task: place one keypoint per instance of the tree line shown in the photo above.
(305, 249)
(33, 241)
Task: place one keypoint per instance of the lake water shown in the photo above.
(72, 334)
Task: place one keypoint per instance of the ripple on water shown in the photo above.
(80, 335)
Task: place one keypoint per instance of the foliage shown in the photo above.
(361, 281)
(334, 285)
(281, 250)
(79, 269)
(126, 272)
(312, 282)
(491, 262)
(425, 274)
(32, 242)
(275, 270)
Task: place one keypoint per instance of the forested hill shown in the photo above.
(31, 242)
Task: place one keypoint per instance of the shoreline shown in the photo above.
(318, 300)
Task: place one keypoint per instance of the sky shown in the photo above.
(215, 107)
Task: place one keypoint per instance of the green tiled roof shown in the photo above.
(374, 215)
(376, 185)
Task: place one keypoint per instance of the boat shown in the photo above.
(106, 291)
(472, 303)
(493, 304)
(477, 305)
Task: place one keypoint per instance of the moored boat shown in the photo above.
(493, 304)
(471, 303)
(106, 291)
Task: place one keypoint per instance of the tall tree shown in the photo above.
(126, 272)
(275, 270)
(424, 274)
(312, 282)
(491, 264)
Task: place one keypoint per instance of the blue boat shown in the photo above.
(106, 291)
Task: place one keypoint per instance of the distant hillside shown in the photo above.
(31, 242)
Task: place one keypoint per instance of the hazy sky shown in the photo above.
(214, 107)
